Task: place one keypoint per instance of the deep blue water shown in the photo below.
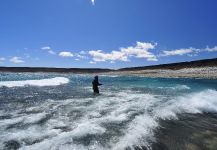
(59, 111)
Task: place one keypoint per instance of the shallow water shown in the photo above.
(58, 111)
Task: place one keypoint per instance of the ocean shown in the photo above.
(50, 111)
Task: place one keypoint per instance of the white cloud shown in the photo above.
(99, 55)
(181, 51)
(80, 56)
(16, 60)
(93, 2)
(46, 48)
(192, 55)
(211, 49)
(141, 50)
(66, 54)
(51, 52)
(191, 52)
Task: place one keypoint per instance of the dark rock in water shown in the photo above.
(11, 145)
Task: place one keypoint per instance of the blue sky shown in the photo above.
(106, 33)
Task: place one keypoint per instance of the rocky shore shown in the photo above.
(202, 72)
(195, 69)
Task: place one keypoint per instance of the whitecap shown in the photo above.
(140, 130)
(182, 87)
(177, 87)
(42, 82)
(28, 119)
(138, 112)
(193, 103)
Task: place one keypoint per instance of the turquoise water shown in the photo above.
(59, 111)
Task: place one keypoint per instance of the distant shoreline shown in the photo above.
(195, 69)
(199, 73)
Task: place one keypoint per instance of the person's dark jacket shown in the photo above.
(95, 84)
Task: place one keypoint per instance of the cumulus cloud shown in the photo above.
(181, 51)
(66, 54)
(191, 52)
(141, 50)
(16, 60)
(211, 49)
(99, 55)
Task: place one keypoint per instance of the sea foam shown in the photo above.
(42, 82)
(137, 114)
(193, 103)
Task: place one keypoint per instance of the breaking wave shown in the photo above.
(193, 103)
(43, 82)
(122, 120)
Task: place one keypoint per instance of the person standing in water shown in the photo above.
(95, 84)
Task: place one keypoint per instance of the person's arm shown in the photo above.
(99, 84)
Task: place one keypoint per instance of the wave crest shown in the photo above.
(43, 82)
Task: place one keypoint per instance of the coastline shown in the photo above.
(202, 73)
(205, 69)
(197, 73)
